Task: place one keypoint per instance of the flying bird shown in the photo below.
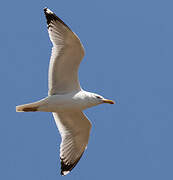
(66, 99)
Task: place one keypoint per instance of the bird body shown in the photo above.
(62, 103)
(66, 99)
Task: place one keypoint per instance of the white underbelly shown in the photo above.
(61, 103)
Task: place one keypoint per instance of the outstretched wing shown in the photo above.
(67, 53)
(74, 128)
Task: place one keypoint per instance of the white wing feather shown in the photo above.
(74, 128)
(67, 53)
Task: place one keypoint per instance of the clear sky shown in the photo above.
(129, 58)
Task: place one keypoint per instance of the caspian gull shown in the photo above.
(66, 99)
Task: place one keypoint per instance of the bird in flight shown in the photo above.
(66, 99)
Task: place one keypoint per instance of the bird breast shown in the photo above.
(61, 103)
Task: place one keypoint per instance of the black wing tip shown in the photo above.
(66, 168)
(50, 16)
(47, 11)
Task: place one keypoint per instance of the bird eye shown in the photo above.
(98, 97)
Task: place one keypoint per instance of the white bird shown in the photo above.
(66, 99)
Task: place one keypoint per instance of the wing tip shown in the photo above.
(67, 167)
(51, 16)
(47, 11)
(64, 173)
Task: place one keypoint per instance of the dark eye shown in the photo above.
(98, 97)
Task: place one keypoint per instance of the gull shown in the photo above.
(66, 99)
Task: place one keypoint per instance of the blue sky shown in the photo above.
(129, 58)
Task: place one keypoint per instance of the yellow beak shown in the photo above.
(108, 101)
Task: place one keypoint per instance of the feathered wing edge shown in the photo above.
(67, 53)
(66, 168)
(74, 128)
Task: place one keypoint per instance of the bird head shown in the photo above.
(100, 99)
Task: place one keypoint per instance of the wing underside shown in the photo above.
(74, 128)
(67, 53)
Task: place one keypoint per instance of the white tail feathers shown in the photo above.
(27, 107)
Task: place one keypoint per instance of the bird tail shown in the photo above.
(27, 107)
